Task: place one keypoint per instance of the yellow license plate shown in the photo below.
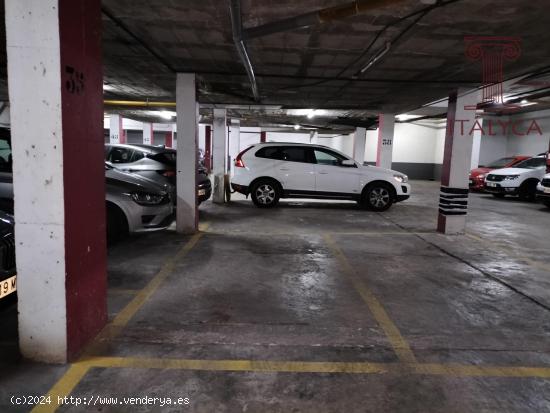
(547, 190)
(491, 184)
(8, 286)
(202, 192)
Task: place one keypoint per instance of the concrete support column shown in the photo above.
(116, 131)
(56, 96)
(359, 142)
(457, 158)
(208, 148)
(169, 139)
(148, 133)
(384, 154)
(476, 144)
(187, 219)
(234, 142)
(218, 155)
(263, 136)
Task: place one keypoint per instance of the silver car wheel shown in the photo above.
(379, 197)
(265, 194)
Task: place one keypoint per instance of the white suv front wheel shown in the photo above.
(265, 193)
(378, 196)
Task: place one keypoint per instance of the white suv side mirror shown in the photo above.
(348, 163)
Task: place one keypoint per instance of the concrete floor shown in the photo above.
(319, 307)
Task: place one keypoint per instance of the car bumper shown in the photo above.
(145, 219)
(501, 189)
(476, 184)
(402, 192)
(543, 192)
(242, 189)
(204, 190)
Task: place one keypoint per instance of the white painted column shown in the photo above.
(187, 218)
(56, 96)
(476, 145)
(457, 160)
(147, 133)
(384, 154)
(115, 129)
(219, 139)
(359, 142)
(234, 141)
(174, 136)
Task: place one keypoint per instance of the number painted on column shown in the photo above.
(387, 142)
(75, 80)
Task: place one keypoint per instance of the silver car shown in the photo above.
(135, 204)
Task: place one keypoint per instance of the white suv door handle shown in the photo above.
(284, 169)
(323, 173)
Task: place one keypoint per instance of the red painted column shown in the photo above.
(56, 98)
(208, 148)
(168, 139)
(262, 136)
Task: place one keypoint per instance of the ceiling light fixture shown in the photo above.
(375, 59)
(311, 114)
(166, 114)
(296, 127)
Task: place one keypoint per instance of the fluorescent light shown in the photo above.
(524, 101)
(108, 87)
(296, 127)
(403, 117)
(311, 114)
(166, 114)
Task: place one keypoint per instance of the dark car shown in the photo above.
(154, 162)
(8, 278)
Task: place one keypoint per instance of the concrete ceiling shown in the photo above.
(147, 41)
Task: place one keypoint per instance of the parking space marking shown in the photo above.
(398, 343)
(293, 234)
(64, 386)
(124, 316)
(78, 370)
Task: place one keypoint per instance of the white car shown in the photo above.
(521, 180)
(270, 171)
(543, 190)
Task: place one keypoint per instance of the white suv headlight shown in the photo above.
(511, 177)
(401, 178)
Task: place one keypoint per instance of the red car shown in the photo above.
(477, 176)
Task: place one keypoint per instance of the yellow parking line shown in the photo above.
(124, 316)
(63, 387)
(78, 370)
(400, 346)
(243, 365)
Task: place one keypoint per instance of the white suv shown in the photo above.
(520, 180)
(270, 171)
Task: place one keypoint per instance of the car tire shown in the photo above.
(117, 225)
(265, 193)
(378, 196)
(547, 203)
(499, 196)
(528, 191)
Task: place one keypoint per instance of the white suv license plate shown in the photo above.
(491, 184)
(547, 190)
(202, 192)
(8, 286)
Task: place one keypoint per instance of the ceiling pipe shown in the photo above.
(139, 103)
(236, 25)
(317, 17)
